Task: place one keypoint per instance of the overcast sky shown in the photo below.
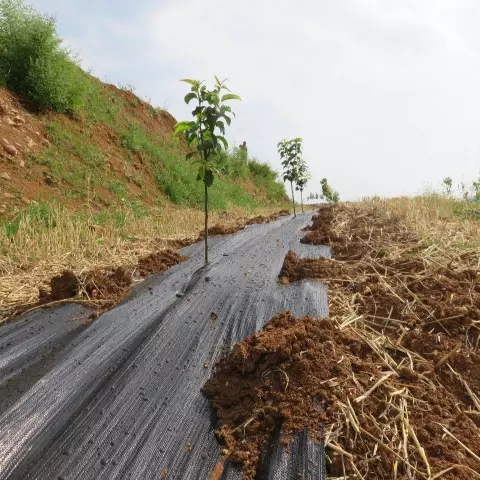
(385, 93)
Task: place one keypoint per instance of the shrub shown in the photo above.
(33, 63)
(261, 169)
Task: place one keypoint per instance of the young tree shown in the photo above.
(302, 178)
(476, 189)
(328, 194)
(447, 183)
(463, 190)
(210, 116)
(290, 151)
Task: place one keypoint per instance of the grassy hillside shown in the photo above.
(116, 150)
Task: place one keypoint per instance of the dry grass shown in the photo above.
(445, 222)
(414, 252)
(36, 253)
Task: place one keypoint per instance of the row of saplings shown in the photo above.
(206, 134)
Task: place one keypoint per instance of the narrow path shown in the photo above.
(120, 398)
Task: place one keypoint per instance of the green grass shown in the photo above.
(41, 215)
(73, 159)
(118, 189)
(177, 178)
(79, 166)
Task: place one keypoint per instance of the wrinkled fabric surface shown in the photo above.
(120, 398)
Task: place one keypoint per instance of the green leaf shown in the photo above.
(182, 126)
(189, 97)
(190, 155)
(230, 96)
(227, 119)
(221, 126)
(198, 110)
(223, 140)
(208, 178)
(201, 173)
(191, 82)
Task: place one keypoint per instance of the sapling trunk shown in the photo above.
(301, 200)
(206, 223)
(293, 200)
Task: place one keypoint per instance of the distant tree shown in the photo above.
(463, 190)
(303, 177)
(447, 183)
(476, 189)
(243, 151)
(210, 116)
(328, 194)
(290, 152)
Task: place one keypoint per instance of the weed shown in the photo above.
(119, 219)
(138, 209)
(118, 189)
(10, 228)
(41, 214)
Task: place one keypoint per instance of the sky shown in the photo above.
(384, 93)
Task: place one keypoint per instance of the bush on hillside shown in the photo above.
(261, 169)
(33, 63)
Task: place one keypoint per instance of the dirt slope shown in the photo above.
(110, 154)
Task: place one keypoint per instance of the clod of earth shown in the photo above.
(104, 288)
(295, 268)
(159, 262)
(222, 229)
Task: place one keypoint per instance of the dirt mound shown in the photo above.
(258, 220)
(394, 374)
(295, 268)
(64, 286)
(111, 287)
(385, 418)
(223, 229)
(262, 219)
(106, 287)
(159, 262)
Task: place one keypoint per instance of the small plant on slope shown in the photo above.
(210, 116)
(447, 183)
(302, 178)
(290, 151)
(476, 189)
(328, 194)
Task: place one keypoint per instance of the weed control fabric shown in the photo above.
(121, 397)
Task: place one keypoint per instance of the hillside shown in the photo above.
(118, 150)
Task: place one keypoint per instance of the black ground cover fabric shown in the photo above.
(121, 398)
